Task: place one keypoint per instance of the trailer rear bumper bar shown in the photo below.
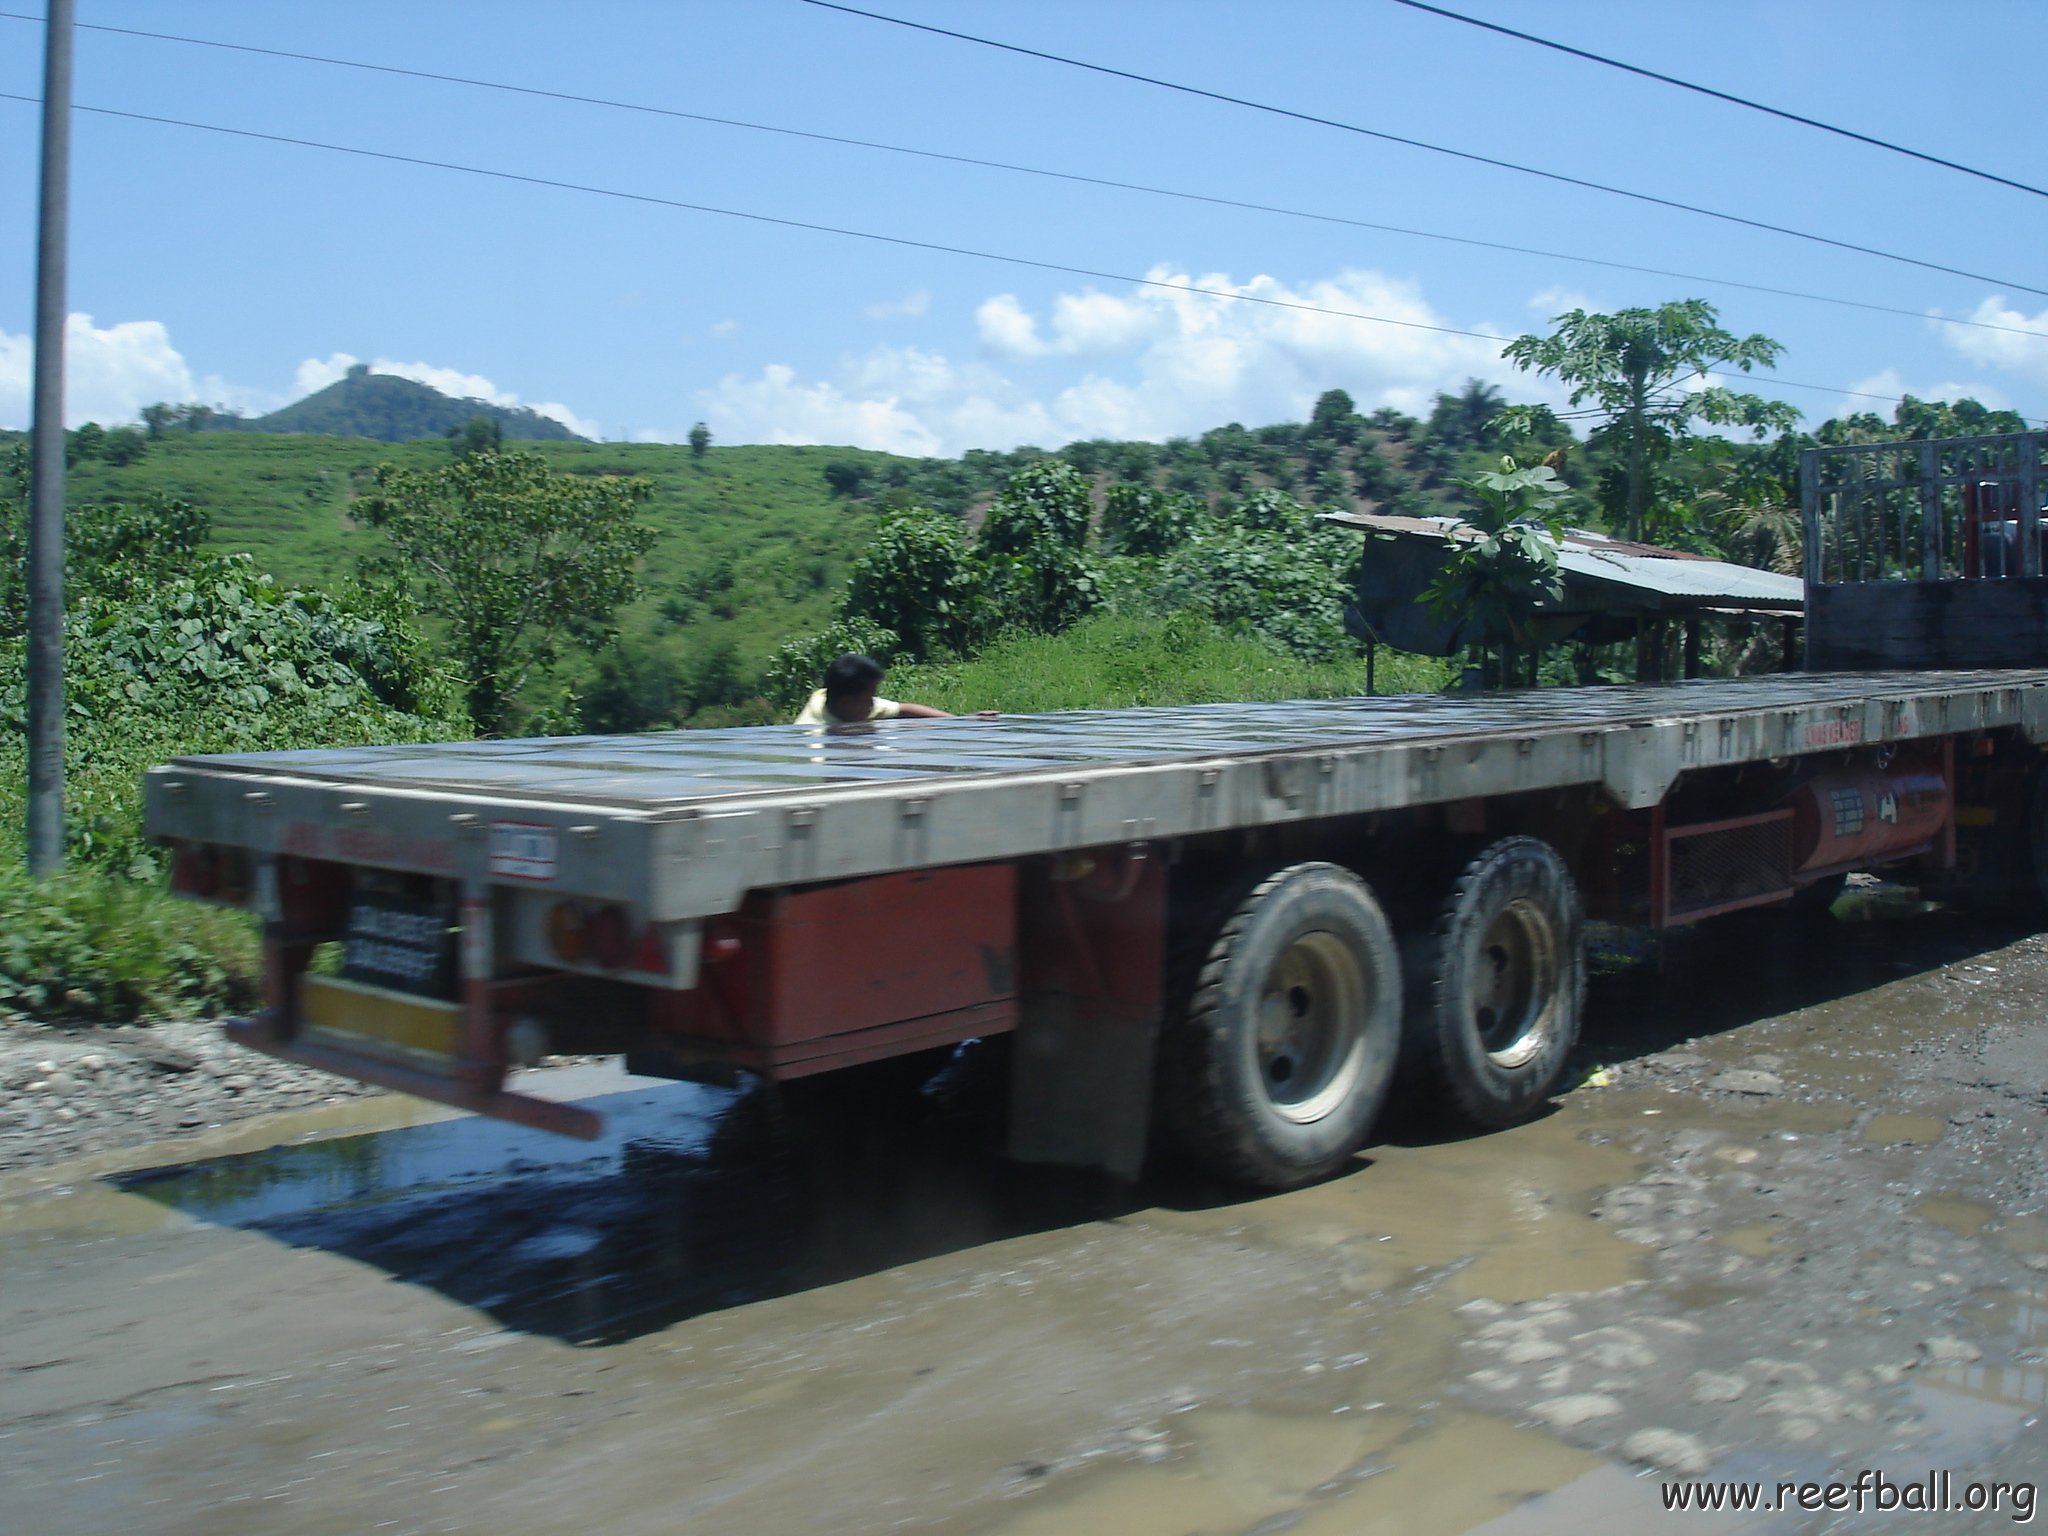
(519, 1108)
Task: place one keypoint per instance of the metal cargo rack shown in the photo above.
(684, 824)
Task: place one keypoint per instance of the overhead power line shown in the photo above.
(1440, 149)
(1729, 97)
(1011, 167)
(904, 241)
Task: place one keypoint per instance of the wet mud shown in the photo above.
(1792, 1222)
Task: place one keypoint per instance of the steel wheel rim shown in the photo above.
(1310, 1041)
(1514, 978)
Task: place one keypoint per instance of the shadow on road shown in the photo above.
(700, 1199)
(695, 1200)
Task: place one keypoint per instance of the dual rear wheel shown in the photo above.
(1298, 1016)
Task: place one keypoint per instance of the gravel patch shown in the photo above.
(67, 1091)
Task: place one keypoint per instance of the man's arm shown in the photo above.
(920, 712)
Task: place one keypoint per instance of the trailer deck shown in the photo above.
(726, 811)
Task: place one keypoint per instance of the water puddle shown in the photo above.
(1505, 1216)
(1953, 1213)
(1764, 1240)
(1384, 1475)
(1908, 1130)
(693, 1200)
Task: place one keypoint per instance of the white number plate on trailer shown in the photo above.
(522, 850)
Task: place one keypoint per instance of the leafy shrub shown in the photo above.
(1273, 511)
(1137, 520)
(1288, 587)
(1039, 574)
(635, 686)
(222, 659)
(922, 580)
(80, 946)
(1046, 505)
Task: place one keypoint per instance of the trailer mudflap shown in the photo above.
(1094, 970)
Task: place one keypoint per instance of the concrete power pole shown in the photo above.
(46, 472)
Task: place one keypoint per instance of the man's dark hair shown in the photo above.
(852, 673)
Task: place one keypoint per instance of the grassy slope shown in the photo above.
(1121, 663)
(767, 510)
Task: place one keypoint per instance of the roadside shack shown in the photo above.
(1615, 592)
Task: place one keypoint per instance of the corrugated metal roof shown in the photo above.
(1717, 583)
(1637, 570)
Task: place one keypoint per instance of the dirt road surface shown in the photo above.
(1793, 1226)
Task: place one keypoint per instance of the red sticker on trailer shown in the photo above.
(1834, 733)
(522, 850)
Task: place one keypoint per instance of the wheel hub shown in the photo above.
(1515, 978)
(1311, 1038)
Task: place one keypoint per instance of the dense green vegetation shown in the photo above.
(751, 544)
(1122, 662)
(88, 948)
(236, 589)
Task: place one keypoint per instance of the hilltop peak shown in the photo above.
(392, 409)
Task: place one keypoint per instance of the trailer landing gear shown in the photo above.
(1283, 1060)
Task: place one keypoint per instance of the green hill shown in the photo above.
(754, 542)
(389, 409)
(754, 547)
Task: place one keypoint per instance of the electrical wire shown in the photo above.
(1440, 149)
(902, 241)
(1040, 171)
(1732, 99)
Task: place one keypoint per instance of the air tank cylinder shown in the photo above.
(1864, 814)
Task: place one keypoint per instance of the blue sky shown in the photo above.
(243, 272)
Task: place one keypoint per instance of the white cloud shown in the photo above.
(775, 408)
(2022, 348)
(1552, 302)
(909, 307)
(1162, 361)
(1006, 330)
(316, 373)
(554, 411)
(449, 381)
(109, 375)
(725, 328)
(1892, 385)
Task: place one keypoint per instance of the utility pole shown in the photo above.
(46, 463)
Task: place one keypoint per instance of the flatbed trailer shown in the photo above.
(1233, 928)
(789, 899)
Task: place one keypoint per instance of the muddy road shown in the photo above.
(1794, 1226)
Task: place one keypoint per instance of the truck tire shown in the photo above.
(1499, 984)
(1292, 1027)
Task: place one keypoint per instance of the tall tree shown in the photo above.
(513, 556)
(480, 434)
(1645, 373)
(700, 440)
(1335, 418)
(1463, 420)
